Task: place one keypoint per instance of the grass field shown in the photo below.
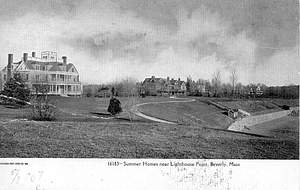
(195, 113)
(286, 127)
(259, 106)
(131, 140)
(253, 107)
(288, 102)
(77, 134)
(76, 109)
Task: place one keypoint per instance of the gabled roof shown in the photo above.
(55, 67)
(28, 66)
(15, 65)
(181, 82)
(172, 81)
(156, 80)
(69, 66)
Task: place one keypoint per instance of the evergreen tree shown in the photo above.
(16, 87)
(113, 91)
(114, 106)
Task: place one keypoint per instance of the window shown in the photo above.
(37, 67)
(73, 70)
(44, 57)
(4, 77)
(37, 77)
(27, 76)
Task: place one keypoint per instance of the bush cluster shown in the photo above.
(43, 110)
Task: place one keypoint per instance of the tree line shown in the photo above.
(126, 87)
(130, 87)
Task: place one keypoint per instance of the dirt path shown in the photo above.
(137, 112)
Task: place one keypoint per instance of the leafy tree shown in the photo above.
(114, 106)
(16, 87)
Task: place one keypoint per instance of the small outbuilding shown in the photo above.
(233, 113)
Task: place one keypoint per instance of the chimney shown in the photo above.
(153, 77)
(25, 57)
(9, 66)
(178, 79)
(33, 54)
(64, 58)
(168, 79)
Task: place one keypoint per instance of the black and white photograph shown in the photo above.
(194, 93)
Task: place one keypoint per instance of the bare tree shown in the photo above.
(216, 81)
(40, 82)
(129, 86)
(233, 78)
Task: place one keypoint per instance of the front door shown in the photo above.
(61, 89)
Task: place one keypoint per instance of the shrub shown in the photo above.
(43, 110)
(114, 107)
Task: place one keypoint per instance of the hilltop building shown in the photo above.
(60, 77)
(160, 86)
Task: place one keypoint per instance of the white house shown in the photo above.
(61, 77)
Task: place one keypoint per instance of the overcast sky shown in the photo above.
(114, 39)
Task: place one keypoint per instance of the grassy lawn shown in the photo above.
(285, 127)
(77, 134)
(195, 113)
(254, 107)
(131, 140)
(289, 102)
(77, 109)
